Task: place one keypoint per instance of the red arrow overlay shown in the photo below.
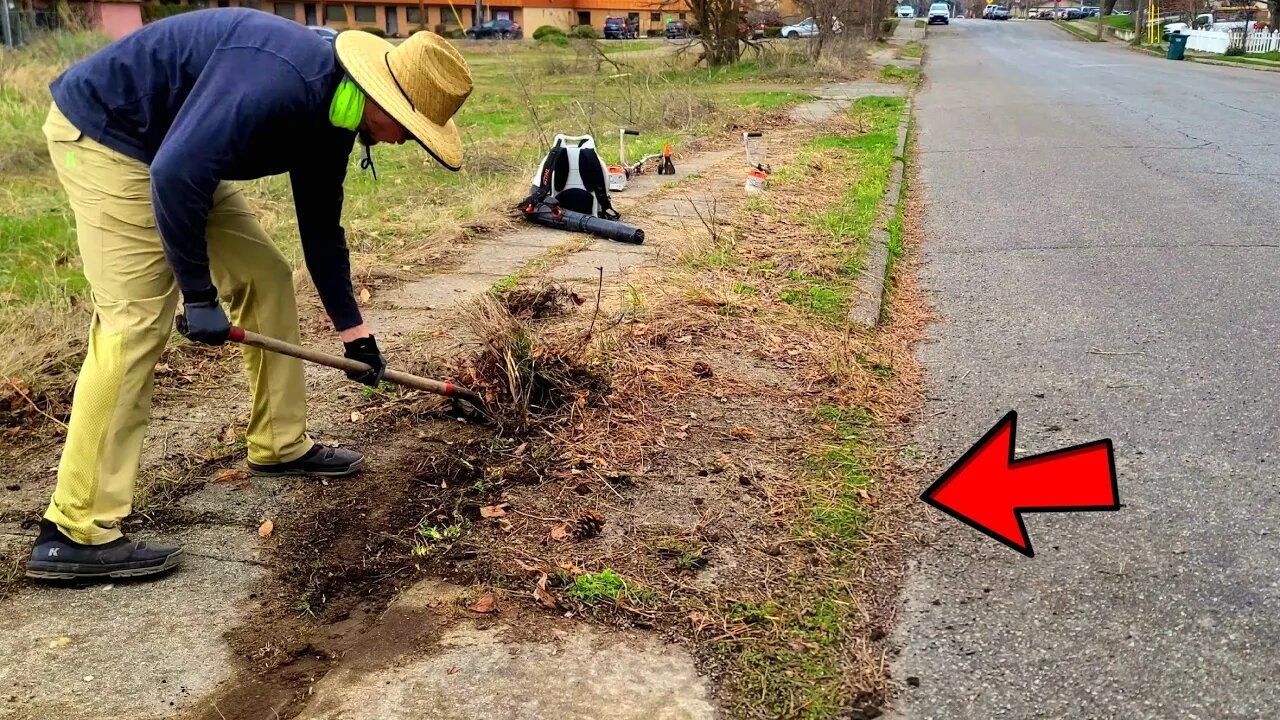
(988, 490)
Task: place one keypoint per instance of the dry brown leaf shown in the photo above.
(520, 449)
(264, 530)
(9, 297)
(544, 595)
(526, 566)
(364, 296)
(356, 416)
(231, 475)
(571, 567)
(494, 511)
(742, 432)
(559, 532)
(486, 604)
(60, 641)
(724, 462)
(452, 669)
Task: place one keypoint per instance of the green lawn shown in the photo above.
(1123, 22)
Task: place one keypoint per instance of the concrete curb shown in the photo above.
(868, 306)
(1224, 63)
(1077, 33)
(1206, 61)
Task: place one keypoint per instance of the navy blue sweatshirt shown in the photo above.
(224, 94)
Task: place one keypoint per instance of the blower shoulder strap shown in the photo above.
(543, 188)
(593, 177)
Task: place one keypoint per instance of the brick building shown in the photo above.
(400, 18)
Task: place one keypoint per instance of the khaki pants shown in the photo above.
(134, 297)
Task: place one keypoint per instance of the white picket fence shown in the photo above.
(1217, 41)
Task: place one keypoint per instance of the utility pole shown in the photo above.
(8, 24)
(1100, 6)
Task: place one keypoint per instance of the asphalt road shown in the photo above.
(1085, 198)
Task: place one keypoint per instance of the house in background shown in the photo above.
(113, 18)
(401, 18)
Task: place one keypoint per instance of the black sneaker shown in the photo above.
(319, 460)
(58, 557)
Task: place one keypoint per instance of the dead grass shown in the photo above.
(523, 374)
(704, 351)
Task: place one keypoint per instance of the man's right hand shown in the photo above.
(204, 322)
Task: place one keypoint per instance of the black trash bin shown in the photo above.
(1177, 46)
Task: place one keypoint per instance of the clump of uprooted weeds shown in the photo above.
(539, 303)
(527, 377)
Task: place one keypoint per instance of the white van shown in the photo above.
(940, 13)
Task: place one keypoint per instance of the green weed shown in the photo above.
(432, 538)
(684, 554)
(606, 586)
(895, 74)
(820, 297)
(770, 100)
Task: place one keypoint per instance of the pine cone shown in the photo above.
(587, 524)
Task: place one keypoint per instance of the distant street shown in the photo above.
(1103, 247)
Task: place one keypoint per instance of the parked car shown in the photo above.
(999, 12)
(805, 28)
(325, 32)
(986, 11)
(1090, 11)
(617, 28)
(940, 13)
(1074, 14)
(495, 30)
(677, 29)
(753, 32)
(905, 11)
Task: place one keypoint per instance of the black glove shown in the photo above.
(204, 321)
(365, 350)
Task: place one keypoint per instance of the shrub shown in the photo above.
(889, 26)
(158, 11)
(585, 32)
(375, 31)
(773, 32)
(653, 32)
(439, 29)
(550, 34)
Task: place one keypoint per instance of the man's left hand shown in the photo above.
(365, 350)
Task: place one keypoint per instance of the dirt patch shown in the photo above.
(344, 552)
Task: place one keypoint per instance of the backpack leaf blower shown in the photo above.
(569, 193)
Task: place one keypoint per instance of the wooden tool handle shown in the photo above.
(253, 339)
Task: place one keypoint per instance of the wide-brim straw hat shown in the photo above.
(421, 83)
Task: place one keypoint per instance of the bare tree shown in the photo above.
(1273, 14)
(717, 24)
